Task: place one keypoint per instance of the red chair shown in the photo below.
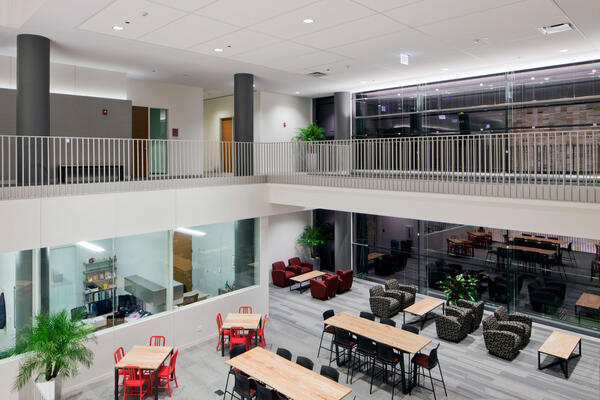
(345, 279)
(304, 267)
(281, 274)
(245, 310)
(119, 354)
(133, 379)
(222, 332)
(157, 341)
(260, 332)
(332, 285)
(318, 289)
(167, 373)
(237, 335)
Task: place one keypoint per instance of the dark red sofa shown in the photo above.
(302, 267)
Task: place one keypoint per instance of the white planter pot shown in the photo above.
(48, 390)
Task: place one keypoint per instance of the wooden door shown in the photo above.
(139, 130)
(182, 259)
(227, 139)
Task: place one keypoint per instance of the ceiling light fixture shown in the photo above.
(404, 59)
(444, 69)
(363, 82)
(297, 92)
(117, 28)
(481, 84)
(546, 79)
(533, 78)
(192, 232)
(308, 21)
(593, 71)
(557, 28)
(563, 50)
(219, 50)
(437, 90)
(91, 246)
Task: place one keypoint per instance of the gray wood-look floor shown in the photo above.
(469, 371)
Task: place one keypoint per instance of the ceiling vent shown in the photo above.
(552, 29)
(317, 74)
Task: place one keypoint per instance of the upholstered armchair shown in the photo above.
(405, 294)
(332, 285)
(502, 315)
(502, 339)
(382, 305)
(318, 289)
(345, 279)
(303, 267)
(455, 325)
(477, 309)
(281, 274)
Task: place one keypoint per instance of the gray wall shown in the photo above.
(70, 115)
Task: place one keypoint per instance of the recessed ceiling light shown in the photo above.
(533, 78)
(546, 79)
(563, 50)
(437, 90)
(593, 71)
(297, 92)
(444, 69)
(481, 84)
(219, 50)
(552, 29)
(363, 82)
(117, 28)
(308, 21)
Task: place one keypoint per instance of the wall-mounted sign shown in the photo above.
(175, 132)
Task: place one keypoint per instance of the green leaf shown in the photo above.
(311, 133)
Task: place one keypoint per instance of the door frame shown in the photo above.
(223, 149)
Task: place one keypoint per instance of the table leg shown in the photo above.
(404, 387)
(222, 343)
(156, 384)
(116, 384)
(403, 317)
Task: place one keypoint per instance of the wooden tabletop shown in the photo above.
(560, 345)
(424, 306)
(286, 377)
(145, 357)
(246, 321)
(459, 241)
(307, 276)
(553, 241)
(372, 256)
(378, 332)
(479, 234)
(589, 300)
(545, 252)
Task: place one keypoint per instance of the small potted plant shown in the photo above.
(311, 133)
(311, 238)
(54, 348)
(459, 287)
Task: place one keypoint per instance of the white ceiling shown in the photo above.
(356, 42)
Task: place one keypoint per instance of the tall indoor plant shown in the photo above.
(459, 287)
(311, 238)
(311, 133)
(54, 347)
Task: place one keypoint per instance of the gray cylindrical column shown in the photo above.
(243, 122)
(342, 102)
(33, 105)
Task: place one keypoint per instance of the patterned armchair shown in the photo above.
(405, 294)
(502, 339)
(382, 305)
(503, 316)
(455, 325)
(477, 309)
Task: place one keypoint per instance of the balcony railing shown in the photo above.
(529, 165)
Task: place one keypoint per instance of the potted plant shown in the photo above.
(311, 133)
(459, 287)
(54, 348)
(311, 238)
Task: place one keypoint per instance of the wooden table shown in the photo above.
(560, 345)
(589, 301)
(286, 377)
(148, 358)
(373, 256)
(546, 252)
(478, 234)
(557, 242)
(462, 244)
(422, 308)
(303, 278)
(397, 338)
(249, 322)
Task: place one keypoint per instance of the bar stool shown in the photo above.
(329, 330)
(429, 362)
(343, 339)
(387, 357)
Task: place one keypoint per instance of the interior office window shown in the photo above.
(15, 297)
(211, 260)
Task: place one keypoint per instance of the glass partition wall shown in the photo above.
(540, 274)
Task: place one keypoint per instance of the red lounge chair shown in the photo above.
(318, 289)
(281, 274)
(344, 280)
(304, 267)
(332, 285)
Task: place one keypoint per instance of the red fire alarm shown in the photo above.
(104, 111)
(284, 124)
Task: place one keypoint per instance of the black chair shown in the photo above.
(327, 329)
(242, 387)
(410, 328)
(526, 234)
(330, 373)
(365, 349)
(343, 339)
(388, 321)
(540, 236)
(386, 357)
(235, 351)
(367, 315)
(285, 353)
(305, 362)
(572, 259)
(429, 362)
(263, 392)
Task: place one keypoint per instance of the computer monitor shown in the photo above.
(104, 307)
(126, 303)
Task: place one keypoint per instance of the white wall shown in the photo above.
(275, 109)
(7, 284)
(214, 111)
(284, 231)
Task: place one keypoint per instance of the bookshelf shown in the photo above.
(101, 275)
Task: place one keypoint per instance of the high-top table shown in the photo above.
(422, 308)
(250, 322)
(148, 358)
(406, 342)
(560, 345)
(286, 377)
